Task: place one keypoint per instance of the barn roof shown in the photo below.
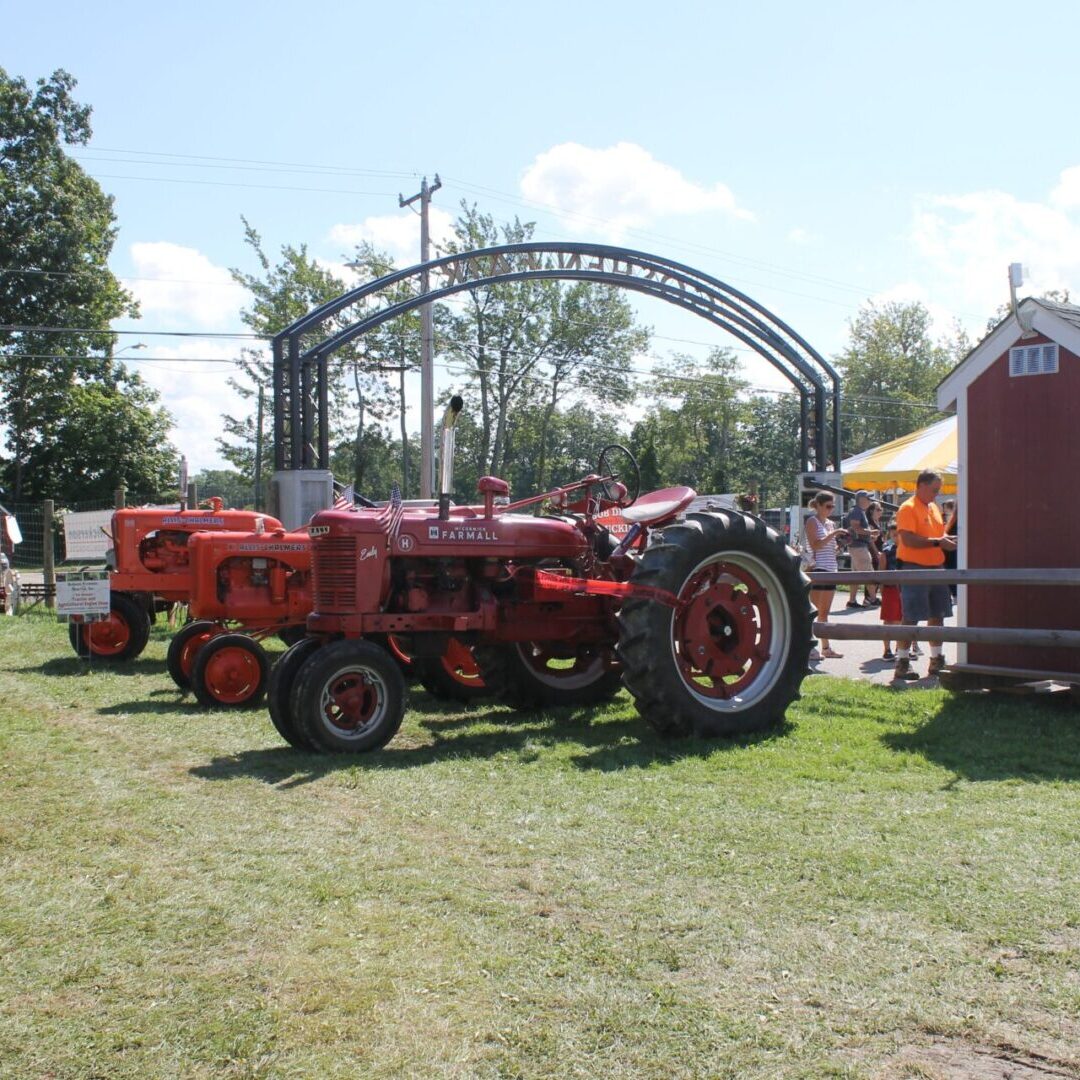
(1058, 322)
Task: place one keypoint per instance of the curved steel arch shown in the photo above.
(319, 354)
(673, 282)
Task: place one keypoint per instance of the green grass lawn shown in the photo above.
(501, 894)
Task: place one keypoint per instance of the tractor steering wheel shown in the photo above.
(618, 464)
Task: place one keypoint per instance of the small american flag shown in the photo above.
(344, 501)
(396, 510)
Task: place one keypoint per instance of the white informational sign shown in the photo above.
(9, 528)
(83, 539)
(82, 596)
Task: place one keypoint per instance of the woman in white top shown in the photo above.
(821, 535)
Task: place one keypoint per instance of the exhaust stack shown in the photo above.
(446, 461)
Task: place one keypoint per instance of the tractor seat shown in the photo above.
(658, 506)
(492, 484)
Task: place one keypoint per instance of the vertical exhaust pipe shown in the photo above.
(446, 461)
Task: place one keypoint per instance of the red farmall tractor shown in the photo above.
(150, 569)
(708, 625)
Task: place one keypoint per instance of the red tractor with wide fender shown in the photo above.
(150, 569)
(708, 625)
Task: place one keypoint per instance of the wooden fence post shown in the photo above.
(48, 567)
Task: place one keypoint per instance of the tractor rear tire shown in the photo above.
(454, 676)
(349, 698)
(184, 647)
(732, 660)
(521, 675)
(122, 636)
(279, 691)
(230, 672)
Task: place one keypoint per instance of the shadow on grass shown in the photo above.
(994, 737)
(76, 665)
(607, 743)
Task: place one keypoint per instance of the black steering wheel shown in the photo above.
(616, 463)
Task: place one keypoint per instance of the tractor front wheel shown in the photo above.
(279, 691)
(122, 636)
(731, 658)
(230, 672)
(184, 647)
(349, 698)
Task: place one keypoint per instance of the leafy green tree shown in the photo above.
(57, 230)
(229, 485)
(891, 368)
(111, 435)
(691, 431)
(534, 345)
(280, 294)
(766, 457)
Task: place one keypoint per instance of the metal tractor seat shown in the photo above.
(659, 505)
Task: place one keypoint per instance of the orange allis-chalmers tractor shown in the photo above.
(149, 570)
(707, 624)
(243, 587)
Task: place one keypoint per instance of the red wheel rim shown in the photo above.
(352, 700)
(191, 649)
(232, 675)
(723, 636)
(109, 637)
(399, 653)
(460, 664)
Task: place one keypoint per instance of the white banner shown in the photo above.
(83, 539)
(83, 593)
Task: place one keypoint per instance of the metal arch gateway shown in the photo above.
(302, 350)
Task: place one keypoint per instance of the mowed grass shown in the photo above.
(502, 894)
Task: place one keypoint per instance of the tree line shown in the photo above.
(551, 370)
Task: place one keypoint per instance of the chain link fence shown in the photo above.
(30, 554)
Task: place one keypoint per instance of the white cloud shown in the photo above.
(942, 320)
(195, 392)
(398, 235)
(969, 240)
(1067, 193)
(180, 282)
(801, 236)
(618, 188)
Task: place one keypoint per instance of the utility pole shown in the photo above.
(259, 449)
(427, 369)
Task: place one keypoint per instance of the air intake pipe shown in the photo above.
(446, 462)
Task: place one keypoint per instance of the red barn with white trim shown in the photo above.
(1016, 396)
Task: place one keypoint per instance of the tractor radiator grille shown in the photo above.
(334, 576)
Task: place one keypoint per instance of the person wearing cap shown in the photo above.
(922, 545)
(858, 526)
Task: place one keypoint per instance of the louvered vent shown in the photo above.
(333, 574)
(1033, 359)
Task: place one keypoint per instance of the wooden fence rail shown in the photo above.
(1039, 576)
(981, 635)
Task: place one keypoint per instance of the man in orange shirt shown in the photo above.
(922, 545)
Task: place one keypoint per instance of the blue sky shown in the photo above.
(814, 157)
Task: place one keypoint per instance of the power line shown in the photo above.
(226, 183)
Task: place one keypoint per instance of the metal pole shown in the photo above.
(427, 368)
(193, 495)
(259, 450)
(47, 566)
(120, 498)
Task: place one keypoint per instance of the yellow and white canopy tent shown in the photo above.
(896, 464)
